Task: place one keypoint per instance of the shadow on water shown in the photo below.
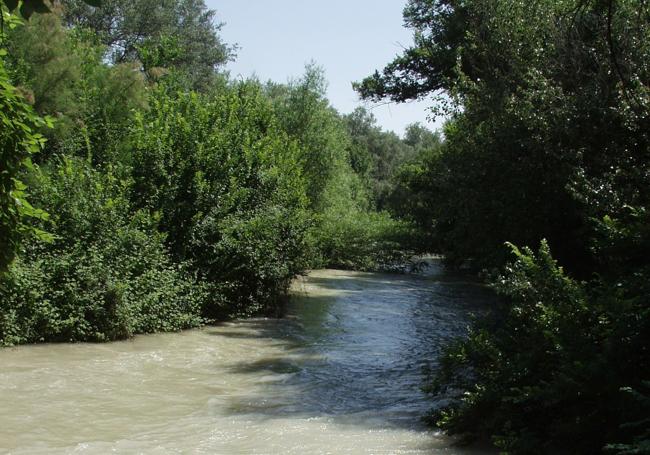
(355, 347)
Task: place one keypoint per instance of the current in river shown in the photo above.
(340, 374)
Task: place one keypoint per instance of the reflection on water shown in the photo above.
(340, 374)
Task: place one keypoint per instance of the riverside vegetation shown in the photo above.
(143, 190)
(543, 182)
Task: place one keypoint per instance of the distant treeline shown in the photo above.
(143, 190)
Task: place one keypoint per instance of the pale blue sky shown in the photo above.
(349, 39)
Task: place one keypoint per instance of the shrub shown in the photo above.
(548, 370)
(107, 274)
(360, 240)
(227, 185)
(18, 140)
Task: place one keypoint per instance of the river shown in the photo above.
(341, 374)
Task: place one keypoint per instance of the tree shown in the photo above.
(182, 33)
(306, 115)
(226, 183)
(545, 110)
(549, 139)
(421, 138)
(64, 73)
(381, 152)
(19, 139)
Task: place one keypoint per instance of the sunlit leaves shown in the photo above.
(18, 140)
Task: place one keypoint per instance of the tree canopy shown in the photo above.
(181, 34)
(547, 143)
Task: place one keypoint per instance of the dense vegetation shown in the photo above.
(548, 144)
(143, 190)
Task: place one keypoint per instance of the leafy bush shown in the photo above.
(169, 207)
(347, 233)
(548, 139)
(249, 258)
(227, 185)
(305, 114)
(546, 372)
(360, 240)
(105, 276)
(19, 139)
(641, 442)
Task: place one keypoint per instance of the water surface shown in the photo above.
(341, 374)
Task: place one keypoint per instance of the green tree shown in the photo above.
(227, 185)
(306, 115)
(549, 138)
(132, 30)
(19, 139)
(337, 166)
(106, 274)
(413, 195)
(547, 108)
(382, 152)
(63, 72)
(421, 138)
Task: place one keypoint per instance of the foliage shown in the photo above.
(227, 185)
(544, 111)
(346, 234)
(413, 197)
(305, 114)
(19, 139)
(105, 276)
(142, 29)
(172, 206)
(564, 392)
(360, 240)
(421, 138)
(548, 139)
(641, 442)
(347, 162)
(377, 154)
(65, 75)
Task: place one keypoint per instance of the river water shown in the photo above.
(341, 374)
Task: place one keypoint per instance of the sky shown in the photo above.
(350, 39)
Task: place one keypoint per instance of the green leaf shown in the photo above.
(43, 235)
(95, 3)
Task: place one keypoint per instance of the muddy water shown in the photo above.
(340, 375)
